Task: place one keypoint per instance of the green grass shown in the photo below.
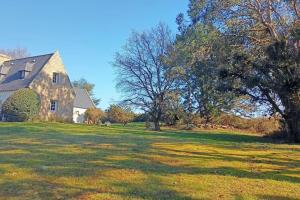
(59, 161)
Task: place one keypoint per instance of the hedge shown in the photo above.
(22, 105)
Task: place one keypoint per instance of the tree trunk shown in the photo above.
(156, 116)
(156, 125)
(293, 125)
(189, 107)
(292, 116)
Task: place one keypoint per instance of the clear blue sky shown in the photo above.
(87, 33)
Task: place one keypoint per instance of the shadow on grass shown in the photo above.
(74, 151)
(202, 136)
(32, 189)
(273, 197)
(199, 136)
(150, 191)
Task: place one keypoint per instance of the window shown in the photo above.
(55, 78)
(53, 105)
(22, 74)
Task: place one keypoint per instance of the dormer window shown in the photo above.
(55, 78)
(22, 74)
(25, 70)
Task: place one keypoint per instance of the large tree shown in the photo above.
(272, 79)
(259, 49)
(253, 22)
(144, 76)
(197, 72)
(84, 84)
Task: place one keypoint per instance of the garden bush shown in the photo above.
(119, 114)
(262, 125)
(23, 105)
(94, 115)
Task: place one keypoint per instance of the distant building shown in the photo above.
(82, 102)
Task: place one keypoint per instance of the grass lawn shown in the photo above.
(59, 161)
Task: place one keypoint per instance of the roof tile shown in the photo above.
(12, 67)
(82, 99)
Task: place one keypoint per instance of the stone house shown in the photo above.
(46, 75)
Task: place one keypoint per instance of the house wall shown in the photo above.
(78, 115)
(62, 92)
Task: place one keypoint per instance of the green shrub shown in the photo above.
(94, 115)
(267, 126)
(23, 105)
(262, 125)
(118, 114)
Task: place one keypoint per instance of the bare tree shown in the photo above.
(143, 75)
(15, 53)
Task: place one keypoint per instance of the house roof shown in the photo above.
(10, 69)
(82, 99)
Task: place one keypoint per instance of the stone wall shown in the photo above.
(61, 92)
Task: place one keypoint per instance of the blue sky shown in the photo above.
(87, 33)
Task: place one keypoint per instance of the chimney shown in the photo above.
(4, 58)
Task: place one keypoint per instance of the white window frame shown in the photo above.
(55, 78)
(53, 105)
